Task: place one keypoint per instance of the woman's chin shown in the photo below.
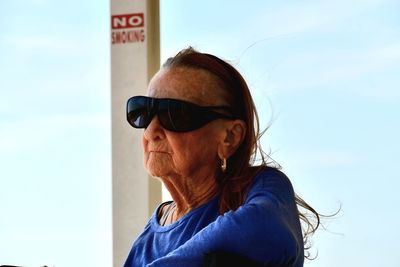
(158, 171)
(159, 164)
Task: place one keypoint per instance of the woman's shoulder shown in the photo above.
(271, 175)
(272, 181)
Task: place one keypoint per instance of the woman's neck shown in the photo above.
(189, 193)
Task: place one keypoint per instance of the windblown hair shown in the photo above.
(241, 169)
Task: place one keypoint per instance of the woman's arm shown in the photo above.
(265, 229)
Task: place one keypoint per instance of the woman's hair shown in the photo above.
(235, 181)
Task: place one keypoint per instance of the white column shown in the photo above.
(135, 57)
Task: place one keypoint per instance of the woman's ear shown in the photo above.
(233, 136)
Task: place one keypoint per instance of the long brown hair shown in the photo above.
(235, 181)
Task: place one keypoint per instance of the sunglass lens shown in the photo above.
(178, 116)
(139, 118)
(139, 113)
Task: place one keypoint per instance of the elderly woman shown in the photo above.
(200, 138)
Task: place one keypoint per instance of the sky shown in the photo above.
(324, 76)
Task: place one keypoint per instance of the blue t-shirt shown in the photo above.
(266, 229)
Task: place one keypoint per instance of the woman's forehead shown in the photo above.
(194, 85)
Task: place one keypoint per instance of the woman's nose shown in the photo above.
(154, 130)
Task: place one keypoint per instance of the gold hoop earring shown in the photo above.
(223, 165)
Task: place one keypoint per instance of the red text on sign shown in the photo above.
(131, 36)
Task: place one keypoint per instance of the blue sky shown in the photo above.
(324, 74)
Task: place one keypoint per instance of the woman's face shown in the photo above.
(169, 154)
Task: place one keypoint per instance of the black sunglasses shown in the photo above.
(174, 115)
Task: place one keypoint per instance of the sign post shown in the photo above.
(135, 57)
